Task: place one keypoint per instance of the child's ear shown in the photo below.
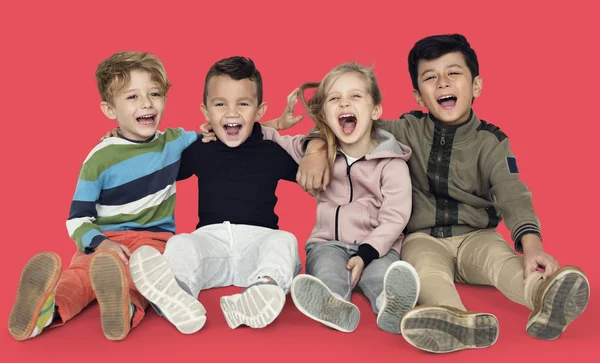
(108, 110)
(377, 111)
(477, 86)
(418, 98)
(262, 108)
(204, 112)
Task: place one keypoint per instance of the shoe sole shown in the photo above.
(314, 299)
(109, 282)
(561, 302)
(401, 287)
(38, 280)
(256, 307)
(154, 279)
(440, 330)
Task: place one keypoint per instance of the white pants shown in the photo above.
(233, 254)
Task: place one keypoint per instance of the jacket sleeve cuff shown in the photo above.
(310, 136)
(95, 243)
(522, 230)
(367, 253)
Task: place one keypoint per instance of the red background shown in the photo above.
(540, 86)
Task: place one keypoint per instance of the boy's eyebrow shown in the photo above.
(223, 98)
(427, 70)
(449, 66)
(137, 89)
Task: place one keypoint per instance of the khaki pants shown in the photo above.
(480, 258)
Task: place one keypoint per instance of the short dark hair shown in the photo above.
(237, 68)
(436, 46)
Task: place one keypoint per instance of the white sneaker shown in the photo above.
(155, 281)
(257, 306)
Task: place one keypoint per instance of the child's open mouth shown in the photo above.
(347, 122)
(232, 129)
(447, 102)
(146, 120)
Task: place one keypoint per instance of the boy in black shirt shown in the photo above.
(237, 241)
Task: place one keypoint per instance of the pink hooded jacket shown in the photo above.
(368, 202)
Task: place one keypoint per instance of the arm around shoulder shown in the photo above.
(291, 144)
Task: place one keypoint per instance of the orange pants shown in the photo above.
(74, 291)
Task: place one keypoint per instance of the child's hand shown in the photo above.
(207, 134)
(287, 120)
(313, 171)
(534, 257)
(356, 266)
(118, 248)
(112, 133)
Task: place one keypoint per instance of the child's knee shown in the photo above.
(178, 244)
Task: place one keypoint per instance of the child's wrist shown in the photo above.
(531, 242)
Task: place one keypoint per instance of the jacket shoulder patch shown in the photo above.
(495, 130)
(511, 162)
(415, 113)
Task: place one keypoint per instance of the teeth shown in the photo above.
(347, 115)
(146, 116)
(232, 125)
(445, 97)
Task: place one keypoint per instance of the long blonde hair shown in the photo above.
(315, 106)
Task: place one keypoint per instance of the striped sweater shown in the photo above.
(127, 185)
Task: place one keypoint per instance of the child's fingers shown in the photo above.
(355, 276)
(309, 185)
(292, 98)
(550, 267)
(126, 250)
(301, 179)
(206, 129)
(529, 267)
(208, 138)
(122, 256)
(316, 182)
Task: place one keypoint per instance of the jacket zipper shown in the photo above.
(439, 159)
(437, 176)
(337, 210)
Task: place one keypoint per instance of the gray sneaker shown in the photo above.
(314, 299)
(257, 306)
(560, 300)
(401, 287)
(441, 329)
(154, 279)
